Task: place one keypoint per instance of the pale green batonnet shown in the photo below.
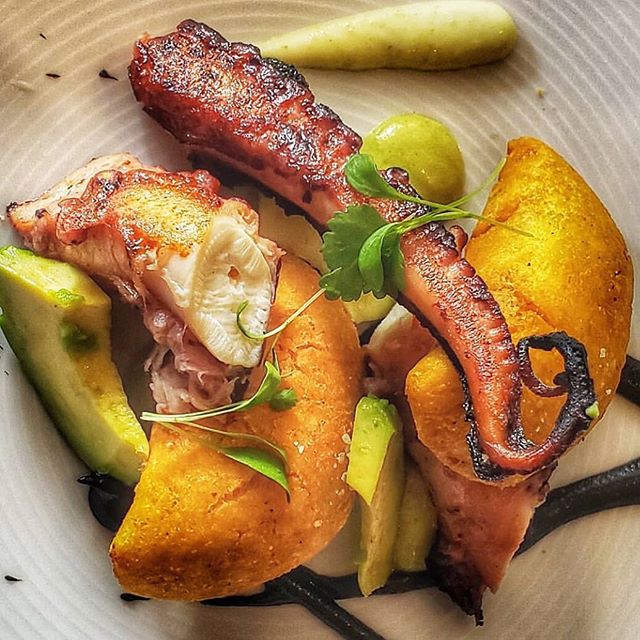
(376, 473)
(376, 422)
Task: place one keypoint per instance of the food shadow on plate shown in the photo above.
(132, 345)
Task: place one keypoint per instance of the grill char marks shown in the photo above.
(227, 99)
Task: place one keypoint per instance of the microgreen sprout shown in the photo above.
(268, 458)
(279, 329)
(362, 250)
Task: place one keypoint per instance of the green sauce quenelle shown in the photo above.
(425, 148)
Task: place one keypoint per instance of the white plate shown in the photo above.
(580, 582)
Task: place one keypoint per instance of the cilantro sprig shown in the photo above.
(362, 250)
(363, 254)
(363, 175)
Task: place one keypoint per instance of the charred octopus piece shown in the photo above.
(143, 231)
(258, 116)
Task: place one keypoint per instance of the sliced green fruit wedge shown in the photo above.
(376, 472)
(417, 523)
(368, 308)
(57, 321)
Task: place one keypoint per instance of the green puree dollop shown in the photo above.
(425, 148)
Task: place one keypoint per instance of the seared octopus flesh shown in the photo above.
(259, 116)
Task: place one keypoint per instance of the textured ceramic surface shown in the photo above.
(572, 81)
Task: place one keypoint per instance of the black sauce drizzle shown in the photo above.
(618, 487)
(109, 501)
(132, 597)
(629, 386)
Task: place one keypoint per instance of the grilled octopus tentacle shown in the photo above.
(258, 116)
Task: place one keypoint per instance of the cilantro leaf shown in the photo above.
(348, 231)
(370, 262)
(363, 250)
(270, 462)
(393, 265)
(345, 284)
(362, 174)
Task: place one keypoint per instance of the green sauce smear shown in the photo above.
(425, 148)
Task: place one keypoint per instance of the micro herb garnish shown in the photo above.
(274, 332)
(363, 254)
(362, 250)
(270, 462)
(283, 399)
(363, 175)
(267, 391)
(261, 461)
(250, 437)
